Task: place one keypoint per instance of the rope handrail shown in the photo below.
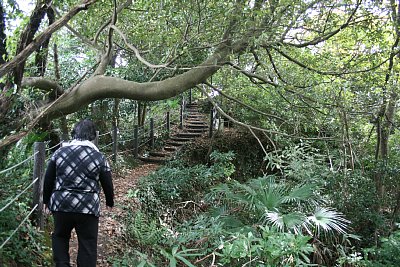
(15, 198)
(143, 143)
(160, 126)
(122, 131)
(126, 140)
(23, 221)
(100, 135)
(50, 148)
(18, 164)
(126, 150)
(101, 148)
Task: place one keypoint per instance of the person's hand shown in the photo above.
(46, 210)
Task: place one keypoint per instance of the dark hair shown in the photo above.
(84, 130)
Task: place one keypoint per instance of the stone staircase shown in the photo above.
(194, 125)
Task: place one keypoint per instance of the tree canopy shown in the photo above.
(299, 61)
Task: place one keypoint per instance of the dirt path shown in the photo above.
(109, 227)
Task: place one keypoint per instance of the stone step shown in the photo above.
(199, 122)
(175, 143)
(197, 130)
(196, 126)
(181, 139)
(153, 159)
(161, 154)
(195, 115)
(189, 134)
(171, 148)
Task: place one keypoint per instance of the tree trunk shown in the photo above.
(42, 52)
(3, 37)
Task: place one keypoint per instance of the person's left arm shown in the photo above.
(49, 181)
(105, 178)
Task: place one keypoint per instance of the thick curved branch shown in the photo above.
(100, 87)
(43, 84)
(38, 41)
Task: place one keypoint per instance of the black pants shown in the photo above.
(86, 227)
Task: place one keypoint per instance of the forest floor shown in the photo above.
(110, 226)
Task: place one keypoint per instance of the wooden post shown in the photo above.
(96, 140)
(152, 132)
(115, 142)
(136, 141)
(181, 117)
(190, 96)
(168, 124)
(221, 124)
(38, 172)
(210, 134)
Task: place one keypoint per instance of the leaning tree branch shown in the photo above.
(223, 113)
(136, 51)
(38, 41)
(38, 117)
(252, 76)
(243, 104)
(79, 35)
(106, 57)
(43, 84)
(332, 73)
(102, 27)
(325, 37)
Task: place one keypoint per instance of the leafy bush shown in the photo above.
(387, 254)
(28, 246)
(162, 189)
(145, 230)
(248, 159)
(272, 248)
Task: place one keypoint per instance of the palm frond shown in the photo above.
(328, 220)
(291, 221)
(302, 193)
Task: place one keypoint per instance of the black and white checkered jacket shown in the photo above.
(73, 178)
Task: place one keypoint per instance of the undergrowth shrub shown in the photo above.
(28, 246)
(197, 215)
(249, 159)
(162, 189)
(387, 253)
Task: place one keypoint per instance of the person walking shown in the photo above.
(71, 193)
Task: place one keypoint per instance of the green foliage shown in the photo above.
(132, 257)
(386, 254)
(248, 164)
(179, 255)
(145, 230)
(272, 248)
(28, 246)
(169, 185)
(264, 221)
(298, 208)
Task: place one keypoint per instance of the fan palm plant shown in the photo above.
(294, 209)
